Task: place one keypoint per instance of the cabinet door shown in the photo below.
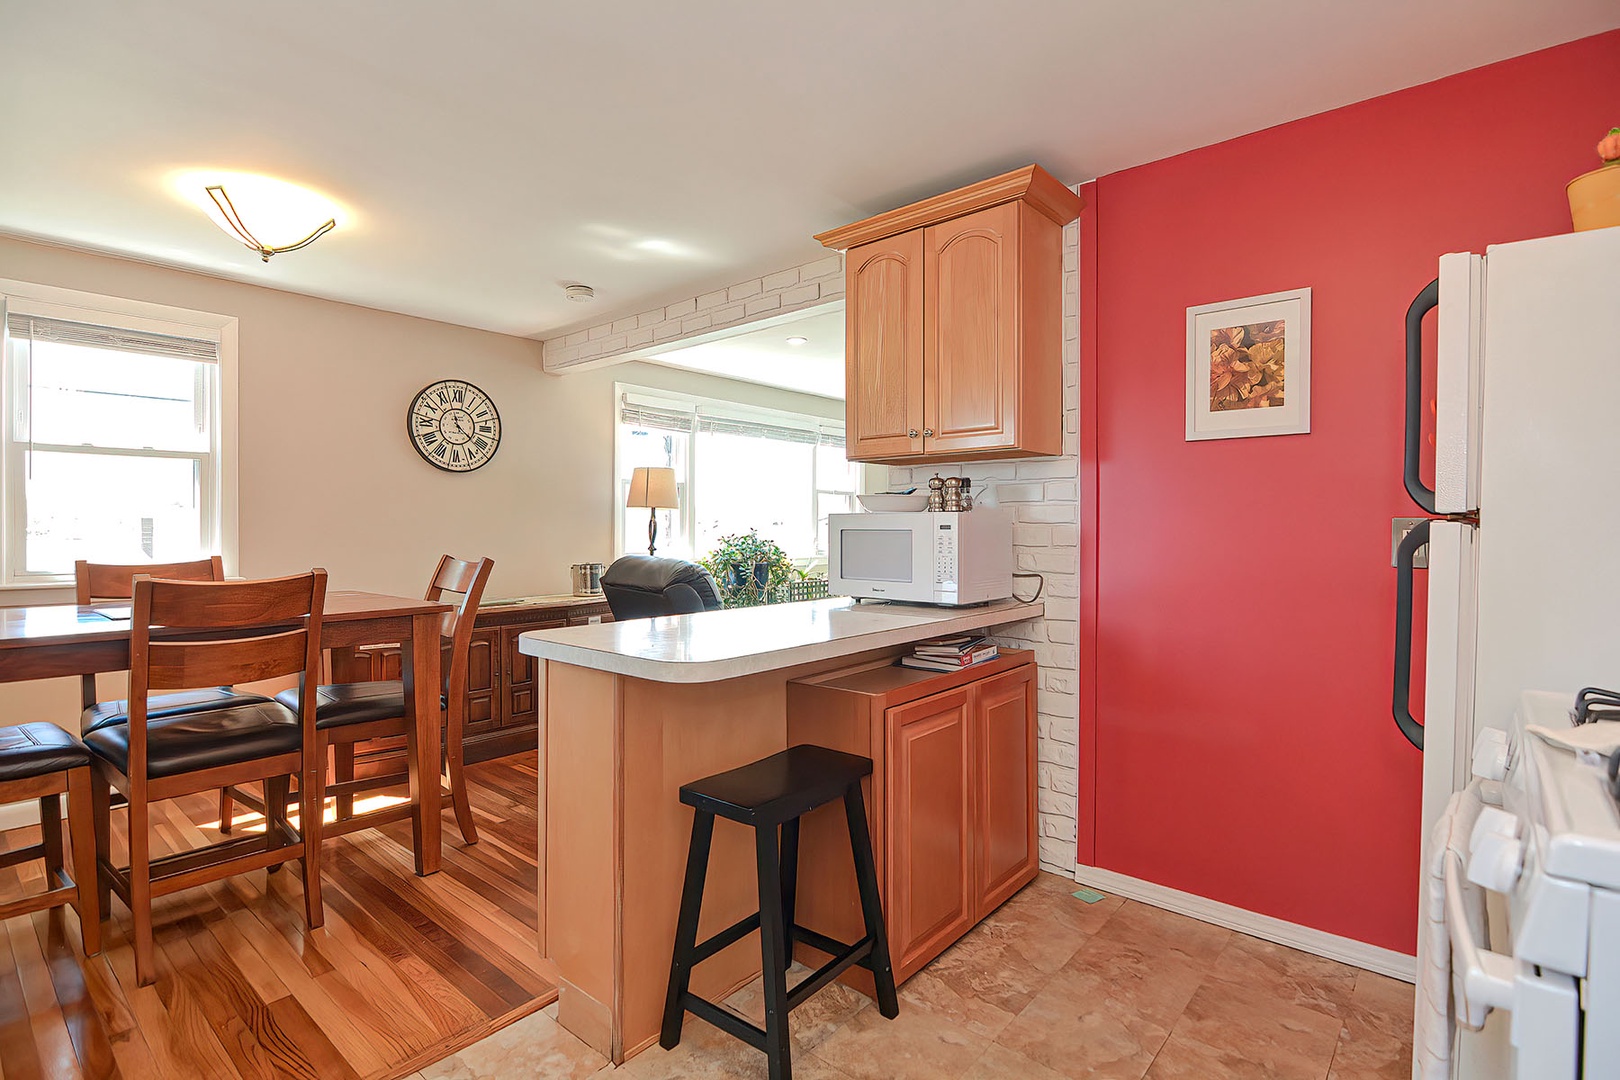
(883, 348)
(970, 332)
(1007, 857)
(930, 892)
(517, 694)
(483, 676)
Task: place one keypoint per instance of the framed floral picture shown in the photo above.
(1249, 367)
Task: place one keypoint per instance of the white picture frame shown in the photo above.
(1249, 367)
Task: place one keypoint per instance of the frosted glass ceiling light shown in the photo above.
(231, 221)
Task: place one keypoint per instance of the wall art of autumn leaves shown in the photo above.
(1246, 366)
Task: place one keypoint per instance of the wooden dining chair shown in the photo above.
(348, 714)
(190, 634)
(101, 582)
(41, 761)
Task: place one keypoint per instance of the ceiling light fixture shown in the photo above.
(796, 340)
(232, 222)
(581, 294)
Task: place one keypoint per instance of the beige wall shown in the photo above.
(326, 476)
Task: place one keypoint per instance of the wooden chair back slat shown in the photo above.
(113, 581)
(185, 665)
(216, 604)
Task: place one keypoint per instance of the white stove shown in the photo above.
(1552, 850)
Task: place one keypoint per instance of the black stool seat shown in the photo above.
(30, 750)
(782, 786)
(191, 741)
(769, 796)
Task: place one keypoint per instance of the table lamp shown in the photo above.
(653, 488)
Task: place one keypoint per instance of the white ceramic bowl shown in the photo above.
(889, 503)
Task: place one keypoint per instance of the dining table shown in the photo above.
(47, 641)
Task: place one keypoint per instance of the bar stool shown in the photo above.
(41, 761)
(770, 795)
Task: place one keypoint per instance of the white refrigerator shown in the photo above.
(1523, 544)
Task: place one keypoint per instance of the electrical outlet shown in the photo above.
(1398, 528)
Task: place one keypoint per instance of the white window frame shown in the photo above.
(219, 494)
(688, 483)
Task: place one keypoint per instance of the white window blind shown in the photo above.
(39, 328)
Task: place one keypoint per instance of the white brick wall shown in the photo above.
(1044, 493)
(781, 293)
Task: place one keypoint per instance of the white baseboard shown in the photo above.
(1320, 942)
(19, 815)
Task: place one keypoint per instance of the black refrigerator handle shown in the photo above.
(1426, 301)
(1402, 706)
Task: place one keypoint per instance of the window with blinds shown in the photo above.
(111, 442)
(737, 468)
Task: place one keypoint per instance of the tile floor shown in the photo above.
(1048, 987)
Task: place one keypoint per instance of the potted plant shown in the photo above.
(1594, 197)
(749, 569)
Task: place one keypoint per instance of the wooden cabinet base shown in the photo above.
(951, 799)
(501, 706)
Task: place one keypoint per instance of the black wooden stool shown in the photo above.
(769, 795)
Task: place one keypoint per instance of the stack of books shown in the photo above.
(950, 653)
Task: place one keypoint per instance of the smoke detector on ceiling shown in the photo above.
(582, 294)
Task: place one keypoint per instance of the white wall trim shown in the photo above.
(22, 814)
(1320, 942)
(756, 302)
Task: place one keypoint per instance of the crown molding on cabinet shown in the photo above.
(1031, 184)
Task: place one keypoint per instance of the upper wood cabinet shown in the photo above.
(954, 323)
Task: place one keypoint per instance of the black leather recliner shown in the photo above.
(641, 587)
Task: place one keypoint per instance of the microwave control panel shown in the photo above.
(945, 550)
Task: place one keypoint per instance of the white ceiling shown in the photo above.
(766, 356)
(488, 153)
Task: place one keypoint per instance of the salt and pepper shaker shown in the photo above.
(951, 494)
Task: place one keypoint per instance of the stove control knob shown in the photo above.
(1491, 754)
(1496, 862)
(1493, 819)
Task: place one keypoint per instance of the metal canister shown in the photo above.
(588, 578)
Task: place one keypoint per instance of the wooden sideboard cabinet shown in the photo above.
(502, 710)
(954, 323)
(951, 799)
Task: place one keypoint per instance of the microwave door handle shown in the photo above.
(1425, 302)
(1402, 698)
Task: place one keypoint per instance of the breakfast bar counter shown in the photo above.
(630, 711)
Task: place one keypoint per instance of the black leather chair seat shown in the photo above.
(186, 742)
(345, 704)
(29, 750)
(160, 706)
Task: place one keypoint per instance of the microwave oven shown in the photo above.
(922, 557)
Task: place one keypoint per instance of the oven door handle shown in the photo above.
(1484, 979)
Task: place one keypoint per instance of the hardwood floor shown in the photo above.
(405, 971)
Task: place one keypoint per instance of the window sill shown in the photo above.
(23, 594)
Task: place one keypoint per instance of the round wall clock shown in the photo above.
(454, 426)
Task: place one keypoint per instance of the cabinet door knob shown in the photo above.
(928, 433)
(912, 434)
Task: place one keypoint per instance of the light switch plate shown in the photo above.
(1398, 528)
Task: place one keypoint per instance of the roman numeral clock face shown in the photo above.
(454, 426)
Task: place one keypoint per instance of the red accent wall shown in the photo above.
(1238, 614)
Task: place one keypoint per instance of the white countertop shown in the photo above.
(713, 645)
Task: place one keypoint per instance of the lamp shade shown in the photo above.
(653, 487)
